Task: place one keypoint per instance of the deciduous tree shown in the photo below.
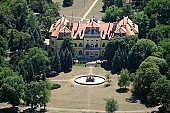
(111, 105)
(124, 79)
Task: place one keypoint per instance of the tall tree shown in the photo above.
(160, 8)
(147, 73)
(3, 46)
(155, 35)
(34, 93)
(67, 43)
(125, 43)
(159, 93)
(124, 79)
(56, 65)
(113, 14)
(143, 22)
(36, 57)
(68, 59)
(160, 62)
(12, 89)
(139, 52)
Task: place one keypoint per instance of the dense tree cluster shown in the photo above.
(24, 61)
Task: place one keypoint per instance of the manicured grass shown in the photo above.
(79, 64)
(75, 96)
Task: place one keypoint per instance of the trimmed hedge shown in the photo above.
(55, 86)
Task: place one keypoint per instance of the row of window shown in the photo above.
(80, 45)
(88, 53)
(88, 45)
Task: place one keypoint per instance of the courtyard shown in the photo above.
(76, 98)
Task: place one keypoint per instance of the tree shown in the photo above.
(36, 57)
(20, 14)
(155, 35)
(113, 14)
(107, 4)
(159, 93)
(160, 62)
(124, 79)
(12, 89)
(111, 105)
(56, 65)
(143, 23)
(68, 59)
(139, 52)
(165, 48)
(127, 10)
(67, 3)
(62, 59)
(32, 22)
(3, 46)
(147, 74)
(160, 8)
(108, 79)
(37, 93)
(67, 43)
(111, 48)
(125, 43)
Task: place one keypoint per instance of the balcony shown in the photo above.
(96, 35)
(92, 48)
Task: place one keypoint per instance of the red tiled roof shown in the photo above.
(124, 26)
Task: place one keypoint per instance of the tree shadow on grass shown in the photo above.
(132, 99)
(122, 90)
(34, 110)
(9, 110)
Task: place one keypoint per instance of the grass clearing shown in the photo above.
(75, 96)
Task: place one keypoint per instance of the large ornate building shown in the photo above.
(89, 38)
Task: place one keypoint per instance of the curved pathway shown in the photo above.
(88, 11)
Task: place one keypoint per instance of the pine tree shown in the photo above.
(62, 59)
(68, 59)
(56, 66)
(11, 39)
(21, 44)
(36, 34)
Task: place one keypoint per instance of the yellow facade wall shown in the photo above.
(56, 44)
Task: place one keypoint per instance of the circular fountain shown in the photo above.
(90, 79)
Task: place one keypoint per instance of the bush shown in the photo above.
(55, 86)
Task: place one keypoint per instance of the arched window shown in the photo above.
(87, 46)
(92, 45)
(80, 52)
(96, 45)
(103, 52)
(92, 30)
(80, 45)
(103, 45)
(75, 45)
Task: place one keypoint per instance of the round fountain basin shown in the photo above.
(97, 80)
